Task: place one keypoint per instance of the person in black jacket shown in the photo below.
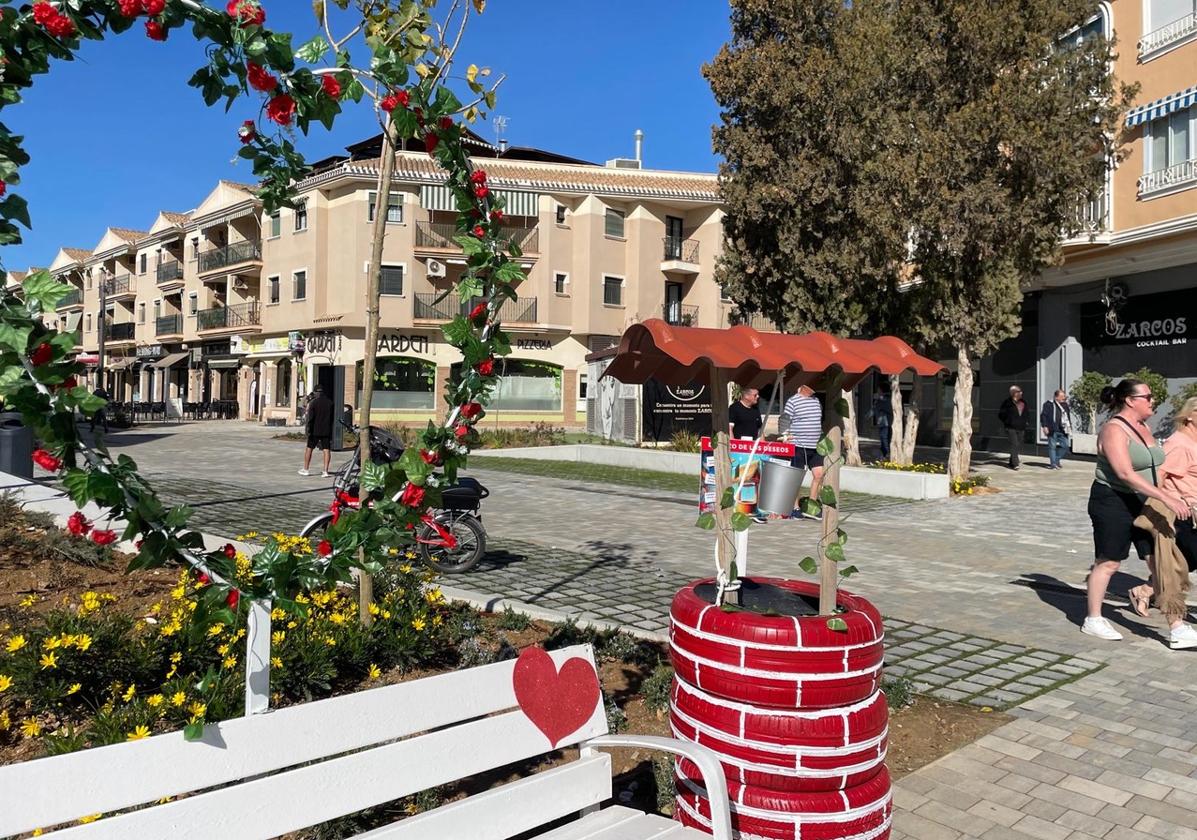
(1013, 414)
(1056, 421)
(319, 428)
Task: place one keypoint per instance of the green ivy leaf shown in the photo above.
(733, 571)
(314, 50)
(728, 499)
(458, 331)
(373, 476)
(841, 535)
(810, 507)
(193, 731)
(827, 495)
(834, 552)
(809, 565)
(841, 407)
(824, 447)
(471, 245)
(706, 521)
(848, 571)
(837, 624)
(15, 336)
(740, 521)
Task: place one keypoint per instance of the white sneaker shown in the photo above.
(1101, 628)
(1183, 637)
(305, 472)
(324, 474)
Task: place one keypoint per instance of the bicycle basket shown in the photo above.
(385, 448)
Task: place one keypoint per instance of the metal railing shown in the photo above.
(683, 250)
(1175, 31)
(119, 332)
(237, 252)
(430, 307)
(169, 325)
(731, 317)
(440, 235)
(171, 270)
(1173, 176)
(225, 317)
(679, 315)
(72, 298)
(118, 286)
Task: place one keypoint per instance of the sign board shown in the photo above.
(274, 344)
(324, 343)
(742, 466)
(1159, 320)
(393, 342)
(668, 409)
(533, 344)
(149, 351)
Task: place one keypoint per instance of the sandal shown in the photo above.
(1139, 600)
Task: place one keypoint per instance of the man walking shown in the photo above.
(1056, 421)
(100, 415)
(1013, 414)
(803, 424)
(744, 415)
(319, 428)
(883, 419)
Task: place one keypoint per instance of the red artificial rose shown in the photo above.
(139, 544)
(462, 432)
(430, 458)
(486, 367)
(430, 141)
(412, 496)
(246, 11)
(281, 109)
(471, 410)
(42, 354)
(260, 78)
(481, 192)
(202, 579)
(331, 86)
(446, 123)
(103, 537)
(3, 188)
(78, 524)
(70, 382)
(389, 102)
(155, 31)
(230, 551)
(60, 26)
(233, 599)
(247, 132)
(43, 13)
(479, 231)
(478, 312)
(153, 8)
(496, 214)
(404, 98)
(478, 176)
(131, 8)
(46, 461)
(324, 548)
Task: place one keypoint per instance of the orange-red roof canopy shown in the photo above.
(677, 355)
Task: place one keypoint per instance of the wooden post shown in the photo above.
(833, 426)
(725, 546)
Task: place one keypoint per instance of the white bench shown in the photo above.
(265, 775)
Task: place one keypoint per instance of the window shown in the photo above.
(560, 214)
(560, 281)
(276, 224)
(141, 313)
(1160, 13)
(391, 281)
(141, 263)
(272, 285)
(300, 291)
(723, 295)
(282, 383)
(394, 208)
(523, 386)
(88, 320)
(1171, 137)
(195, 248)
(157, 310)
(401, 382)
(580, 407)
(89, 282)
(301, 216)
(614, 223)
(613, 291)
(192, 303)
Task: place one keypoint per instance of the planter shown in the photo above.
(1084, 443)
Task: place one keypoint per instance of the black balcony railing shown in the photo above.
(225, 317)
(169, 325)
(238, 252)
(440, 235)
(683, 250)
(119, 332)
(430, 307)
(118, 286)
(733, 317)
(172, 270)
(680, 316)
(72, 298)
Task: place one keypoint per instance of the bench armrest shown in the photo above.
(713, 778)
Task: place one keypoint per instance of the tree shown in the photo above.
(1085, 393)
(1010, 128)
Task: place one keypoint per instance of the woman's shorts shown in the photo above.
(1113, 514)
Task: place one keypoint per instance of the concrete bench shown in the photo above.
(265, 775)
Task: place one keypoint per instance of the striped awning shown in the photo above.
(516, 203)
(1162, 107)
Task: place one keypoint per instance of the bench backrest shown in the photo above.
(299, 766)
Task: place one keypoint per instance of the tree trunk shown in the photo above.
(386, 174)
(829, 571)
(961, 451)
(897, 429)
(910, 432)
(851, 435)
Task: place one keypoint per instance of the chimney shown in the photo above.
(639, 135)
(502, 145)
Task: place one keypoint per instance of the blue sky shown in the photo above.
(117, 135)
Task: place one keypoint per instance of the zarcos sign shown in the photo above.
(1154, 333)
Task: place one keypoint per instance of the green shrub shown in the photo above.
(666, 784)
(899, 692)
(1156, 382)
(655, 688)
(617, 721)
(1085, 394)
(685, 441)
(511, 619)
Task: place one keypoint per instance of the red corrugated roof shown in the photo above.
(677, 355)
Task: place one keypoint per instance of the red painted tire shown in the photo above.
(863, 812)
(777, 661)
(795, 751)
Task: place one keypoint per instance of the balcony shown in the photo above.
(730, 316)
(168, 325)
(170, 272)
(437, 237)
(679, 256)
(1162, 181)
(1093, 216)
(677, 315)
(1167, 37)
(120, 287)
(237, 253)
(240, 316)
(73, 298)
(431, 307)
(119, 332)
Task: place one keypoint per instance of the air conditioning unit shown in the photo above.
(239, 284)
(436, 268)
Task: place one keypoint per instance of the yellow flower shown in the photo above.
(215, 629)
(276, 638)
(49, 660)
(374, 608)
(178, 592)
(405, 568)
(330, 641)
(374, 672)
(5, 682)
(15, 644)
(5, 721)
(51, 643)
(130, 693)
(386, 615)
(393, 552)
(197, 708)
(37, 832)
(223, 650)
(178, 698)
(337, 618)
(28, 601)
(176, 657)
(74, 689)
(275, 662)
(418, 623)
(138, 733)
(91, 818)
(278, 614)
(30, 728)
(154, 700)
(229, 661)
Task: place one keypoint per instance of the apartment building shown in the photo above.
(228, 304)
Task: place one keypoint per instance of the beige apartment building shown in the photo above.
(235, 312)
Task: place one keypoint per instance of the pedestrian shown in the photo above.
(1013, 414)
(1128, 465)
(1056, 421)
(100, 415)
(802, 421)
(883, 419)
(744, 415)
(319, 425)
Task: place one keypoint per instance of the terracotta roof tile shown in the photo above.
(129, 235)
(176, 218)
(77, 254)
(249, 188)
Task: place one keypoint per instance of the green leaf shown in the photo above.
(740, 521)
(827, 495)
(457, 331)
(841, 407)
(193, 731)
(706, 521)
(471, 245)
(848, 571)
(314, 50)
(825, 447)
(841, 535)
(16, 337)
(728, 499)
(837, 624)
(810, 506)
(809, 565)
(834, 552)
(16, 208)
(373, 476)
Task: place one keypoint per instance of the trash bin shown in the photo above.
(16, 445)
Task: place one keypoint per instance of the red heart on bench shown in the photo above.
(557, 702)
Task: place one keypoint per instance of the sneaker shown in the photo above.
(760, 519)
(324, 474)
(305, 472)
(1101, 628)
(1183, 637)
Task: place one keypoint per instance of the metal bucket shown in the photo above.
(779, 488)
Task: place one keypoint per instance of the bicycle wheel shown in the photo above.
(471, 544)
(317, 526)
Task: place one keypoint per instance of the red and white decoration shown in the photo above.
(794, 711)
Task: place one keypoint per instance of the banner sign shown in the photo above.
(668, 409)
(1159, 320)
(741, 466)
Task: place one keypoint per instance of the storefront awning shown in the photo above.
(72, 321)
(221, 364)
(120, 364)
(516, 203)
(1162, 107)
(171, 360)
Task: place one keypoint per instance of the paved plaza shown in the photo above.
(983, 595)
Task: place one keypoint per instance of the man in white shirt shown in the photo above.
(802, 420)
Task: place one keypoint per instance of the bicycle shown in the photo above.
(452, 538)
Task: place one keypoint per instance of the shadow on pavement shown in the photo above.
(1071, 601)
